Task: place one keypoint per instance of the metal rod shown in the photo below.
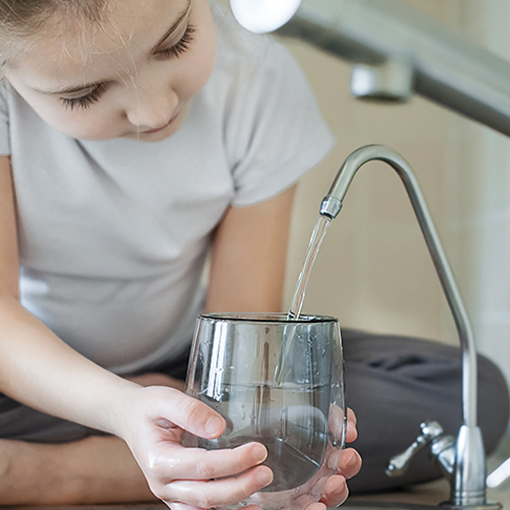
(331, 207)
(468, 487)
(443, 66)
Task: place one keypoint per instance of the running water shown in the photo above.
(318, 234)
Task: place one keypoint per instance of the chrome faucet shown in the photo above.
(396, 51)
(463, 460)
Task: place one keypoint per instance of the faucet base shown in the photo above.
(374, 505)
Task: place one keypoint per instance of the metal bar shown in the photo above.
(446, 68)
(331, 207)
(468, 487)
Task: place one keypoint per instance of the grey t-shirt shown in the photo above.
(114, 234)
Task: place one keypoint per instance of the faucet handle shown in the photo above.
(499, 475)
(398, 464)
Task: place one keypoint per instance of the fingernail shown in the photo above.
(213, 425)
(351, 461)
(259, 453)
(265, 477)
(339, 490)
(355, 461)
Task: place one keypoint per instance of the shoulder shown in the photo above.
(272, 129)
(255, 77)
(246, 58)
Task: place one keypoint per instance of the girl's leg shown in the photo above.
(47, 461)
(93, 470)
(395, 383)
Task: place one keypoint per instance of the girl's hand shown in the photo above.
(335, 489)
(153, 421)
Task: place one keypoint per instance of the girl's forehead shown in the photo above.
(73, 47)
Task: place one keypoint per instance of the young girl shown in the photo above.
(137, 137)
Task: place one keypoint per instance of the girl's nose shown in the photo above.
(151, 109)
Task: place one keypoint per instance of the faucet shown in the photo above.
(396, 51)
(461, 460)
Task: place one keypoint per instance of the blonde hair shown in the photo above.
(22, 19)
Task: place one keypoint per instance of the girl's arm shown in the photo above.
(249, 256)
(38, 369)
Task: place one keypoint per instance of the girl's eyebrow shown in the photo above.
(79, 88)
(175, 26)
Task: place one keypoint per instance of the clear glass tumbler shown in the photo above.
(278, 382)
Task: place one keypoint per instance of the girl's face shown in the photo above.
(133, 78)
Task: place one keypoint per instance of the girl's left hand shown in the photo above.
(335, 489)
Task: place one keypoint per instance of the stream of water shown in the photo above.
(318, 234)
(296, 306)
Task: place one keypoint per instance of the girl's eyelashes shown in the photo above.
(84, 101)
(174, 51)
(180, 47)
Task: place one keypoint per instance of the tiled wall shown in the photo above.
(490, 22)
(374, 271)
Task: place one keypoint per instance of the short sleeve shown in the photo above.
(277, 133)
(5, 146)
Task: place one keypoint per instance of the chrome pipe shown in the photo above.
(468, 487)
(398, 50)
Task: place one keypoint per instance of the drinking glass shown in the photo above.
(278, 382)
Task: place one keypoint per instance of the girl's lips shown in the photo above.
(159, 129)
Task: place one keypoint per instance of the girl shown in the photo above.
(136, 138)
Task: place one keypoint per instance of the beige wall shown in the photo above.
(374, 271)
(488, 22)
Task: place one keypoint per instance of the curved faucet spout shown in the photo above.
(468, 487)
(330, 208)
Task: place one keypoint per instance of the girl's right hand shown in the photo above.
(153, 420)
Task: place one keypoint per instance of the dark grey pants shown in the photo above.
(395, 383)
(392, 383)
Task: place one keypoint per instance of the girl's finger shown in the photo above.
(177, 463)
(349, 463)
(187, 412)
(351, 433)
(170, 408)
(335, 491)
(213, 493)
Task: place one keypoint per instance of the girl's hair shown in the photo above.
(20, 19)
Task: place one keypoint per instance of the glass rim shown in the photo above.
(266, 318)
